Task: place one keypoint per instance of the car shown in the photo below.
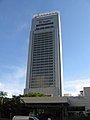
(24, 118)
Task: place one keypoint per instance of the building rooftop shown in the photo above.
(46, 14)
(53, 99)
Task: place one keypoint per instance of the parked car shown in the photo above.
(24, 118)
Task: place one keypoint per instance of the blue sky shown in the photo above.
(15, 24)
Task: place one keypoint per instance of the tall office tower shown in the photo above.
(44, 69)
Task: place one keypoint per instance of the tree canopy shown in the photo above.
(3, 94)
(35, 94)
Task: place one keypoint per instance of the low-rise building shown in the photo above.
(59, 107)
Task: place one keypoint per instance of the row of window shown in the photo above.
(45, 37)
(43, 34)
(44, 72)
(42, 52)
(43, 61)
(36, 66)
(41, 73)
(40, 28)
(43, 76)
(45, 86)
(42, 64)
(43, 55)
(46, 48)
(45, 24)
(42, 69)
(43, 42)
(41, 80)
(43, 47)
(42, 58)
(42, 83)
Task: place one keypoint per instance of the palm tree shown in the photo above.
(2, 95)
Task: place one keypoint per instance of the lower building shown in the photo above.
(80, 102)
(58, 108)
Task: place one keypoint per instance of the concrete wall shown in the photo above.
(81, 100)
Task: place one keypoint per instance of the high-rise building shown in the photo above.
(44, 69)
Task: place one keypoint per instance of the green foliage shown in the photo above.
(3, 94)
(11, 106)
(35, 94)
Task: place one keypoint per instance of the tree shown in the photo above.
(35, 94)
(3, 94)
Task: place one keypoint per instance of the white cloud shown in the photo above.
(22, 27)
(13, 80)
(74, 86)
(1, 85)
